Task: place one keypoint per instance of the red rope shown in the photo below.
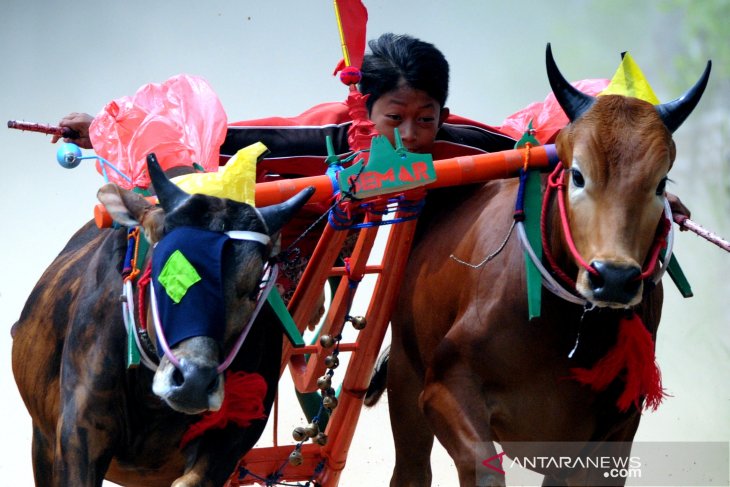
(660, 241)
(142, 284)
(554, 179)
(566, 225)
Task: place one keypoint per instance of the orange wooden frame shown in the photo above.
(343, 420)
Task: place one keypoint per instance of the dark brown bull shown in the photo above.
(94, 418)
(466, 364)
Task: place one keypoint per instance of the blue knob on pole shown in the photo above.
(69, 155)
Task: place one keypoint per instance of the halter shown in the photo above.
(556, 181)
(268, 280)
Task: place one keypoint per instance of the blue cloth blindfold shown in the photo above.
(190, 298)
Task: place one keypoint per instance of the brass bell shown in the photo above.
(311, 430)
(330, 402)
(320, 439)
(327, 341)
(299, 434)
(358, 322)
(324, 382)
(331, 361)
(295, 458)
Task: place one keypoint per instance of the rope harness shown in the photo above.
(141, 334)
(556, 183)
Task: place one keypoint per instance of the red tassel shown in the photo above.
(243, 402)
(634, 354)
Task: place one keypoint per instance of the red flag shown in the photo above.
(352, 19)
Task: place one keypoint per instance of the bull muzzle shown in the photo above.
(615, 283)
(195, 385)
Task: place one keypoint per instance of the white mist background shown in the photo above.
(277, 58)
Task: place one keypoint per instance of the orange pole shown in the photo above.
(449, 172)
(485, 167)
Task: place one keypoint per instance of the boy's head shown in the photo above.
(401, 58)
(408, 83)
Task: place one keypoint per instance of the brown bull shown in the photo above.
(94, 418)
(466, 364)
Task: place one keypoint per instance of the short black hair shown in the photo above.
(394, 57)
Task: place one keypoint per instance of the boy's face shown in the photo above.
(416, 115)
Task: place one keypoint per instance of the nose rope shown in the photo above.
(659, 243)
(560, 186)
(554, 179)
(158, 331)
(263, 295)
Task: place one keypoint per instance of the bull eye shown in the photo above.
(662, 187)
(577, 178)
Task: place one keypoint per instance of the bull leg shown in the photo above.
(83, 449)
(457, 413)
(411, 434)
(616, 445)
(42, 458)
(91, 415)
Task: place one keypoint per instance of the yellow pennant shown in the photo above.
(630, 81)
(236, 180)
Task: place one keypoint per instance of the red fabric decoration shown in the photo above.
(243, 403)
(547, 116)
(634, 354)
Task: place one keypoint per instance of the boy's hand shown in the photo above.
(80, 122)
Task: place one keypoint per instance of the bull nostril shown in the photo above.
(632, 286)
(177, 377)
(595, 278)
(213, 384)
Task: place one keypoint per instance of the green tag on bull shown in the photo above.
(678, 277)
(177, 275)
(533, 212)
(388, 170)
(133, 356)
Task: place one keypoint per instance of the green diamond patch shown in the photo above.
(177, 275)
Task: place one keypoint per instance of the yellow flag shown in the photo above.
(630, 81)
(236, 180)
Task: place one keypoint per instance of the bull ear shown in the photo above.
(573, 101)
(276, 216)
(675, 112)
(168, 194)
(130, 209)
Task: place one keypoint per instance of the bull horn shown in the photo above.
(573, 101)
(276, 216)
(675, 112)
(169, 195)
